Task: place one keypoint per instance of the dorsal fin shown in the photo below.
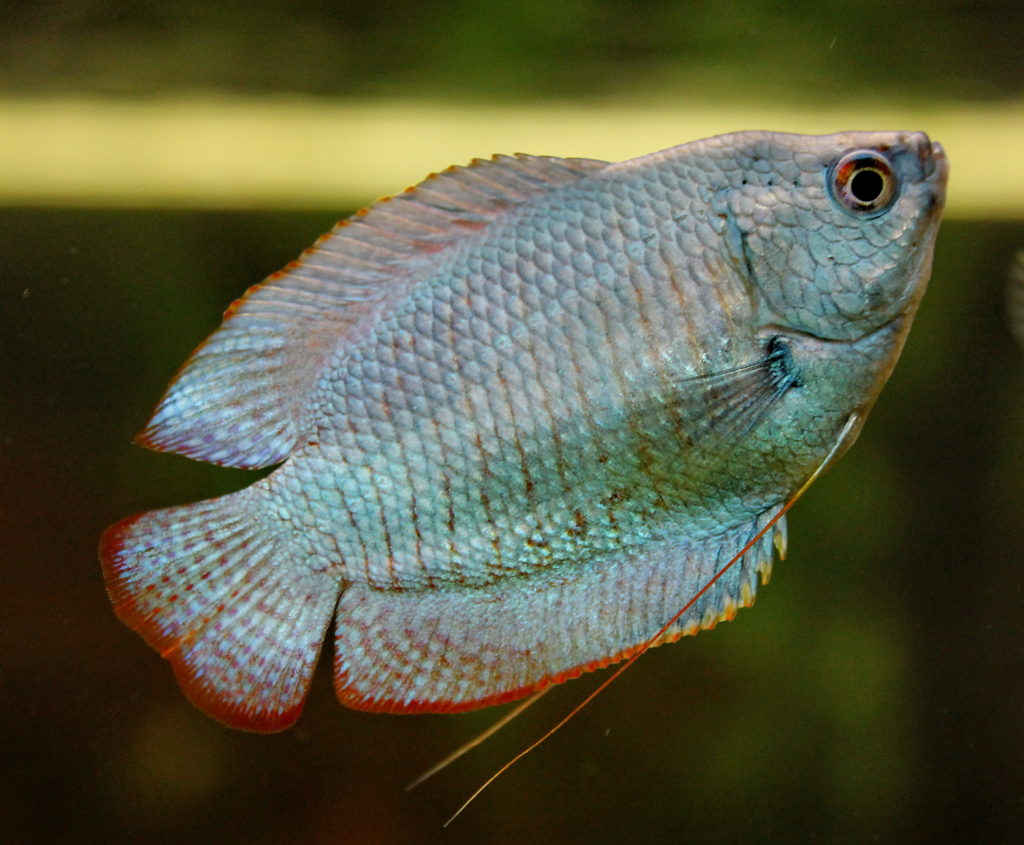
(239, 400)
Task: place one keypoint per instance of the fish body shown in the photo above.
(524, 411)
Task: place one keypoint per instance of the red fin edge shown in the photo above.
(214, 593)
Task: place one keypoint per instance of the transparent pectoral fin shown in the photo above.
(727, 403)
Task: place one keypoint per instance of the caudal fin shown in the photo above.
(214, 590)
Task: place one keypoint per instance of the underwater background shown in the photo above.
(149, 174)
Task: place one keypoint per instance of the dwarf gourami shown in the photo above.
(523, 412)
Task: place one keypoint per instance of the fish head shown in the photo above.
(834, 233)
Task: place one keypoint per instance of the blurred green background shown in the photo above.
(876, 692)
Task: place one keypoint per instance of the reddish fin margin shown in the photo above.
(209, 589)
(459, 648)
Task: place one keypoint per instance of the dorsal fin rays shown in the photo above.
(241, 397)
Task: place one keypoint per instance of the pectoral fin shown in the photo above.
(731, 402)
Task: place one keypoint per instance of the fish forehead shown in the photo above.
(740, 150)
(745, 160)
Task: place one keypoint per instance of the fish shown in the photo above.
(520, 414)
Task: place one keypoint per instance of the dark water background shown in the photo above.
(874, 694)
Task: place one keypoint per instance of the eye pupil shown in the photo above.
(867, 186)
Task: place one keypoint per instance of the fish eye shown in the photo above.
(863, 182)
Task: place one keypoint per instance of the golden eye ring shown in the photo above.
(863, 182)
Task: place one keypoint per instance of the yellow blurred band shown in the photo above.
(305, 153)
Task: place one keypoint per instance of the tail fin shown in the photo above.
(211, 587)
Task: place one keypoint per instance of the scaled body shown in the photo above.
(524, 411)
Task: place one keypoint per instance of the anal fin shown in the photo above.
(452, 649)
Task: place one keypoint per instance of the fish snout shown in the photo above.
(936, 172)
(925, 161)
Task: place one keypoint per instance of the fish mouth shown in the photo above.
(935, 160)
(936, 171)
(932, 167)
